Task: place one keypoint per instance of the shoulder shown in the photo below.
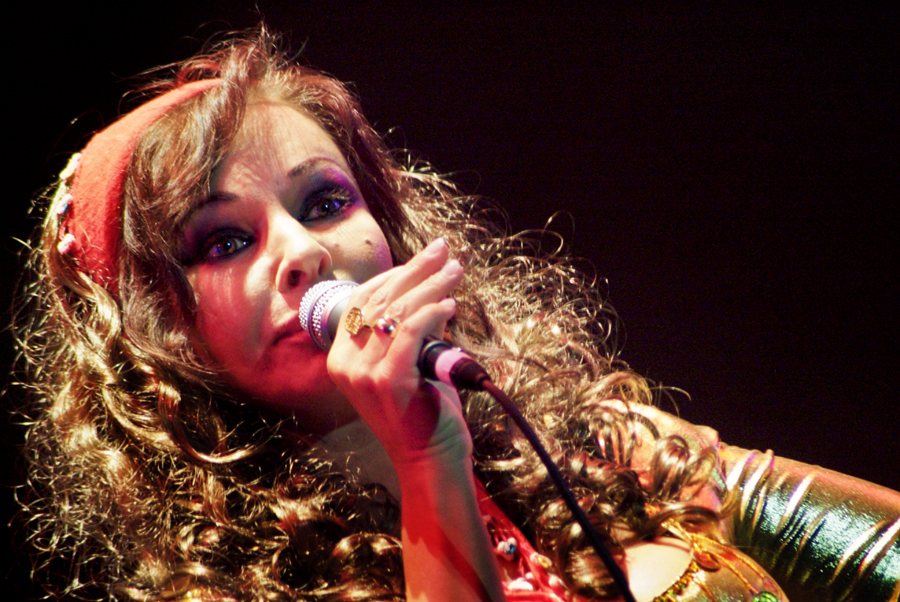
(695, 568)
(653, 566)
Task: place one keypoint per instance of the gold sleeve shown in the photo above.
(824, 536)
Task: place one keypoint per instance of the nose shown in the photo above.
(302, 260)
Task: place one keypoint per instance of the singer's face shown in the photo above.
(284, 213)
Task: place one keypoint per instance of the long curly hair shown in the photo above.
(149, 480)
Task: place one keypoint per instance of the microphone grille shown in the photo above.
(316, 306)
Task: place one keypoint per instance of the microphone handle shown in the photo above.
(321, 311)
(439, 360)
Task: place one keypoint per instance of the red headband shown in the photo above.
(92, 210)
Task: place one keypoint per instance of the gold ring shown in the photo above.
(354, 322)
(388, 326)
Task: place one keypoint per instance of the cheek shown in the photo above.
(381, 252)
(209, 337)
(219, 327)
(377, 254)
(376, 245)
(361, 251)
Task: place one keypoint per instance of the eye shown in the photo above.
(326, 203)
(222, 244)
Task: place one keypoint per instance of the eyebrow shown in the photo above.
(216, 197)
(304, 167)
(310, 163)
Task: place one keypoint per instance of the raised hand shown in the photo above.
(446, 551)
(377, 371)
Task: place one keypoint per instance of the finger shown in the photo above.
(367, 289)
(429, 320)
(356, 304)
(404, 278)
(356, 308)
(434, 288)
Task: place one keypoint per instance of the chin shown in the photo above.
(317, 404)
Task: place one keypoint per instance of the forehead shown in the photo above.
(272, 132)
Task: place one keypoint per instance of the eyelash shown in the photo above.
(208, 250)
(330, 195)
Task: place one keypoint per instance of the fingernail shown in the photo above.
(451, 268)
(434, 246)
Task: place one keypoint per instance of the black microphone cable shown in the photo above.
(466, 373)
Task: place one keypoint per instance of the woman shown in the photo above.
(190, 442)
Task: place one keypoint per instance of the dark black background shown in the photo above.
(729, 171)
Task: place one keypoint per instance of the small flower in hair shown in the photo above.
(71, 166)
(63, 206)
(66, 244)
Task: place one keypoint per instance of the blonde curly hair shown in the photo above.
(149, 480)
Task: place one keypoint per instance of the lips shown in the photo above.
(291, 330)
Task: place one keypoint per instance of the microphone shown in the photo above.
(320, 314)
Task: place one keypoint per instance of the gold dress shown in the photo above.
(824, 536)
(800, 531)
